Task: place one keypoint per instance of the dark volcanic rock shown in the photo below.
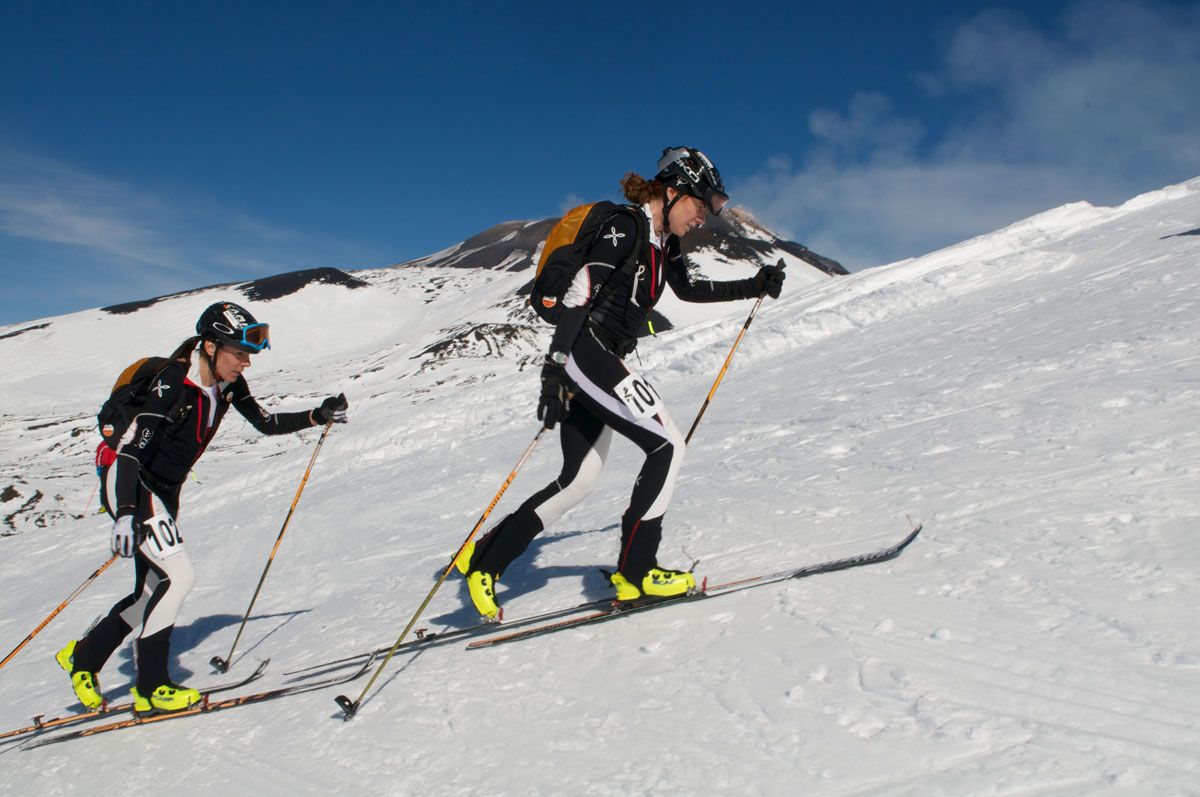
(729, 235)
(280, 285)
(16, 332)
(511, 243)
(480, 341)
(261, 290)
(132, 307)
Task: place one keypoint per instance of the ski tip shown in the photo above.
(904, 543)
(219, 664)
(349, 707)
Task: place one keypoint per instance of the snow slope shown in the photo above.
(1030, 394)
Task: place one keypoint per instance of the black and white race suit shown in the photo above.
(604, 309)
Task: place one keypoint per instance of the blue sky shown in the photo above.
(148, 147)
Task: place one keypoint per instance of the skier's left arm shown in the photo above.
(331, 410)
(768, 280)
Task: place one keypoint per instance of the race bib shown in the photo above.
(162, 537)
(639, 396)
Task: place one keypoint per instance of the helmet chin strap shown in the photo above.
(210, 361)
(667, 205)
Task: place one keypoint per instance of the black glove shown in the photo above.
(332, 410)
(555, 400)
(624, 348)
(769, 280)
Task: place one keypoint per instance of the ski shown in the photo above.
(613, 609)
(205, 706)
(426, 638)
(40, 723)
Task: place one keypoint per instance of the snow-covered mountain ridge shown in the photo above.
(1030, 394)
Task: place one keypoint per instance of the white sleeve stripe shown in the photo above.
(579, 292)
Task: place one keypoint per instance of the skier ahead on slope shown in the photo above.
(141, 481)
(587, 386)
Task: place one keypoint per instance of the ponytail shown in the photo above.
(639, 190)
(184, 351)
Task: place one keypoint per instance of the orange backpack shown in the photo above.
(567, 246)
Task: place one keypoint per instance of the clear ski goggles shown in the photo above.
(715, 201)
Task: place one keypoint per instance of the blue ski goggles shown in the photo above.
(254, 338)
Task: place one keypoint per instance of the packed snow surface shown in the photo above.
(1031, 395)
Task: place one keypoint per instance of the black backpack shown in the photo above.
(128, 396)
(566, 247)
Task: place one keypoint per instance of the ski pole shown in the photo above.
(61, 606)
(728, 359)
(88, 505)
(351, 708)
(223, 664)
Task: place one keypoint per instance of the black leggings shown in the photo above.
(608, 397)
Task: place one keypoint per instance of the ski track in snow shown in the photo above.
(1031, 395)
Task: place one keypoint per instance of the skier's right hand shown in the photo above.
(555, 400)
(123, 540)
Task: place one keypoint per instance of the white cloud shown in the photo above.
(569, 202)
(869, 129)
(1100, 108)
(48, 201)
(129, 236)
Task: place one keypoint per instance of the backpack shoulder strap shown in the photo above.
(177, 411)
(642, 225)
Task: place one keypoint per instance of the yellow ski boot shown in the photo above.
(66, 656)
(168, 697)
(659, 582)
(463, 561)
(85, 684)
(664, 583)
(625, 590)
(482, 587)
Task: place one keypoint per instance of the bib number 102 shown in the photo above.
(639, 396)
(163, 537)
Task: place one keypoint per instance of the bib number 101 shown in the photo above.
(639, 396)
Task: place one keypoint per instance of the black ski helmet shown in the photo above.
(232, 325)
(689, 171)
